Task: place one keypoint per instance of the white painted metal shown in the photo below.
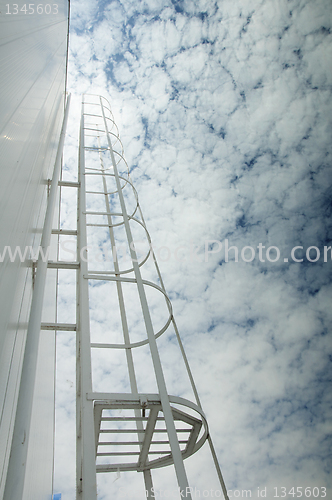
(152, 405)
(86, 464)
(59, 327)
(19, 449)
(147, 410)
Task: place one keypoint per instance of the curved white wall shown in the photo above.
(33, 50)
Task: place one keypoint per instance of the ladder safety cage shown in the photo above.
(129, 430)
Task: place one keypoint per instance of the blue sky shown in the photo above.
(224, 110)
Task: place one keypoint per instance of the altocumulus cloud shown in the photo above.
(224, 109)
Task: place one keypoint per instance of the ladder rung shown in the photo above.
(63, 265)
(137, 431)
(64, 327)
(69, 184)
(65, 232)
(118, 453)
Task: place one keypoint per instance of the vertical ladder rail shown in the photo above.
(192, 382)
(86, 445)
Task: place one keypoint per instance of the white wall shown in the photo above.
(33, 50)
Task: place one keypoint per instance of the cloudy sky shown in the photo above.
(224, 109)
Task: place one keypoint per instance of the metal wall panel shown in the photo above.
(33, 50)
